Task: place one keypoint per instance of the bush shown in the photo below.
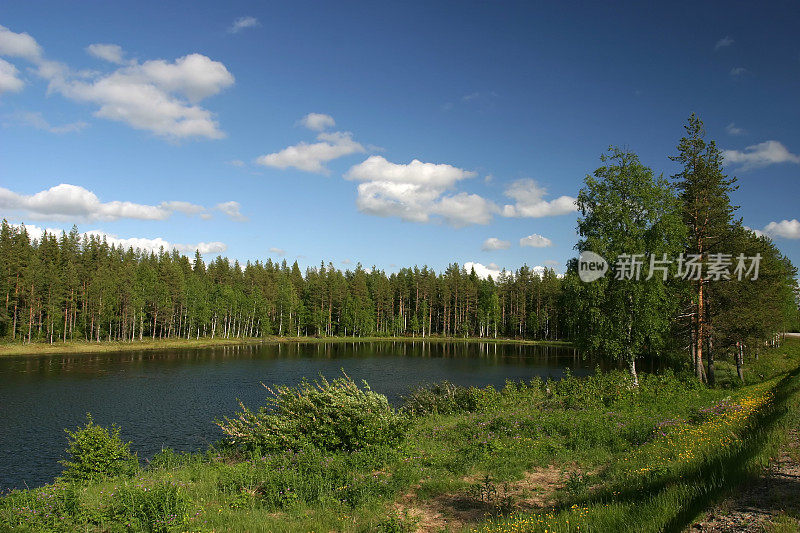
(97, 452)
(333, 416)
(445, 398)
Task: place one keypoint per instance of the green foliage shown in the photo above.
(625, 211)
(97, 452)
(51, 508)
(336, 415)
(446, 398)
(160, 508)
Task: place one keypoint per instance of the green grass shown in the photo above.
(602, 455)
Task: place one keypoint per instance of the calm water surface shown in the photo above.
(170, 398)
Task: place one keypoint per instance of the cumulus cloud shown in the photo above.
(236, 162)
(243, 23)
(187, 208)
(112, 53)
(493, 243)
(317, 121)
(145, 244)
(416, 191)
(9, 78)
(36, 120)
(158, 96)
(313, 157)
(738, 71)
(761, 155)
(232, 210)
(723, 43)
(788, 229)
(19, 45)
(483, 271)
(67, 202)
(535, 241)
(530, 202)
(277, 251)
(732, 129)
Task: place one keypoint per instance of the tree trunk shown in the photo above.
(739, 360)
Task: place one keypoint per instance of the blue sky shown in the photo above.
(389, 134)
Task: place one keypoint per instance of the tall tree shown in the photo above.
(708, 214)
(627, 216)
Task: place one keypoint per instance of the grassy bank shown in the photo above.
(81, 346)
(581, 454)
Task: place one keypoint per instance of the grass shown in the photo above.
(83, 346)
(580, 454)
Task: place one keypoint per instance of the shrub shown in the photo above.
(446, 398)
(97, 452)
(333, 416)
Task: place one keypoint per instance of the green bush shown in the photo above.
(333, 416)
(445, 398)
(97, 452)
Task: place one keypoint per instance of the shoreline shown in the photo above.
(91, 347)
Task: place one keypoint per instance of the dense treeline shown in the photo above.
(65, 287)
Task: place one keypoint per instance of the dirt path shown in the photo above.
(770, 503)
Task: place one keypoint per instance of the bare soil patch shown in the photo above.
(483, 498)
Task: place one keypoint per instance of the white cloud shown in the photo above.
(738, 71)
(493, 243)
(535, 241)
(761, 155)
(9, 78)
(377, 168)
(317, 121)
(483, 271)
(464, 209)
(67, 202)
(19, 45)
(232, 210)
(157, 96)
(236, 162)
(347, 261)
(723, 43)
(732, 129)
(36, 120)
(242, 23)
(312, 157)
(415, 192)
(112, 53)
(530, 202)
(277, 251)
(187, 208)
(788, 229)
(145, 244)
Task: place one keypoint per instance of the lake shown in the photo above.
(170, 398)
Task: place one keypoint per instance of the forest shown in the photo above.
(71, 287)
